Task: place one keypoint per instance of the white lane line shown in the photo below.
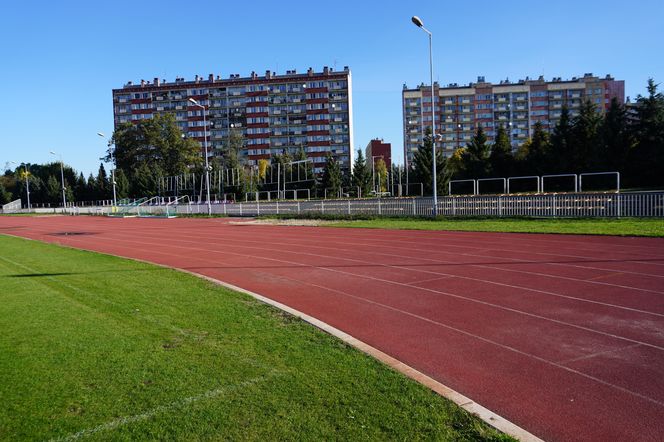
(305, 266)
(161, 409)
(599, 353)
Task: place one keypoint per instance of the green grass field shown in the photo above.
(97, 347)
(653, 227)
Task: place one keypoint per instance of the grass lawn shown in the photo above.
(589, 226)
(97, 347)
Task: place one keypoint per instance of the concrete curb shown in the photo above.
(462, 401)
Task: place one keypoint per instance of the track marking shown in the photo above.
(126, 420)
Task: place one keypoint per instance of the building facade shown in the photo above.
(275, 113)
(377, 148)
(460, 110)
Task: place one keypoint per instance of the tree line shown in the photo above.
(588, 142)
(146, 152)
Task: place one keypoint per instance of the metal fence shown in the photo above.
(567, 205)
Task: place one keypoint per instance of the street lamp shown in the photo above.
(418, 22)
(62, 176)
(27, 183)
(207, 166)
(115, 202)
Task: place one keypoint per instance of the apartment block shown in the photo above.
(275, 113)
(459, 110)
(377, 148)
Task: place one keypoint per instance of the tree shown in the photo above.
(617, 138)
(534, 159)
(647, 159)
(144, 181)
(585, 135)
(361, 176)
(102, 183)
(5, 196)
(380, 170)
(476, 156)
(331, 179)
(562, 144)
(121, 184)
(53, 190)
(423, 165)
(501, 159)
(156, 142)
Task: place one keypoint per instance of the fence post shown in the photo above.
(414, 208)
(240, 209)
(277, 207)
(298, 207)
(379, 208)
(500, 205)
(349, 207)
(554, 205)
(224, 205)
(258, 207)
(453, 206)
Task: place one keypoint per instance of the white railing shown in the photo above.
(583, 205)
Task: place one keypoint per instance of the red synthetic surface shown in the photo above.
(562, 335)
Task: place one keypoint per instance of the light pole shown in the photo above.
(207, 166)
(27, 183)
(62, 176)
(115, 202)
(420, 25)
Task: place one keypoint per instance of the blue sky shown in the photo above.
(61, 59)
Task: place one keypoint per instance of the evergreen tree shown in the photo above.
(422, 171)
(80, 188)
(361, 174)
(331, 179)
(501, 158)
(121, 184)
(647, 159)
(617, 139)
(562, 145)
(537, 159)
(91, 187)
(585, 136)
(144, 181)
(476, 156)
(102, 184)
(53, 190)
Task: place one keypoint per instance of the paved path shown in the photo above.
(562, 335)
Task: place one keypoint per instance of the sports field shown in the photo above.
(562, 335)
(98, 347)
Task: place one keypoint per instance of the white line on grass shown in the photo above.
(126, 420)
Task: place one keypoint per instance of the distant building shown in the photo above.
(377, 148)
(459, 110)
(276, 113)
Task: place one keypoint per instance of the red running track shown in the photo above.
(562, 335)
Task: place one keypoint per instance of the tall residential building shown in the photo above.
(459, 110)
(377, 148)
(276, 113)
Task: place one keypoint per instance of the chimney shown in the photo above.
(142, 83)
(156, 81)
(211, 78)
(253, 75)
(310, 72)
(326, 70)
(268, 74)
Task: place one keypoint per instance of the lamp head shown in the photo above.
(417, 21)
(192, 101)
(101, 134)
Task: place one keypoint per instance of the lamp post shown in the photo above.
(27, 182)
(62, 177)
(418, 22)
(115, 202)
(207, 166)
